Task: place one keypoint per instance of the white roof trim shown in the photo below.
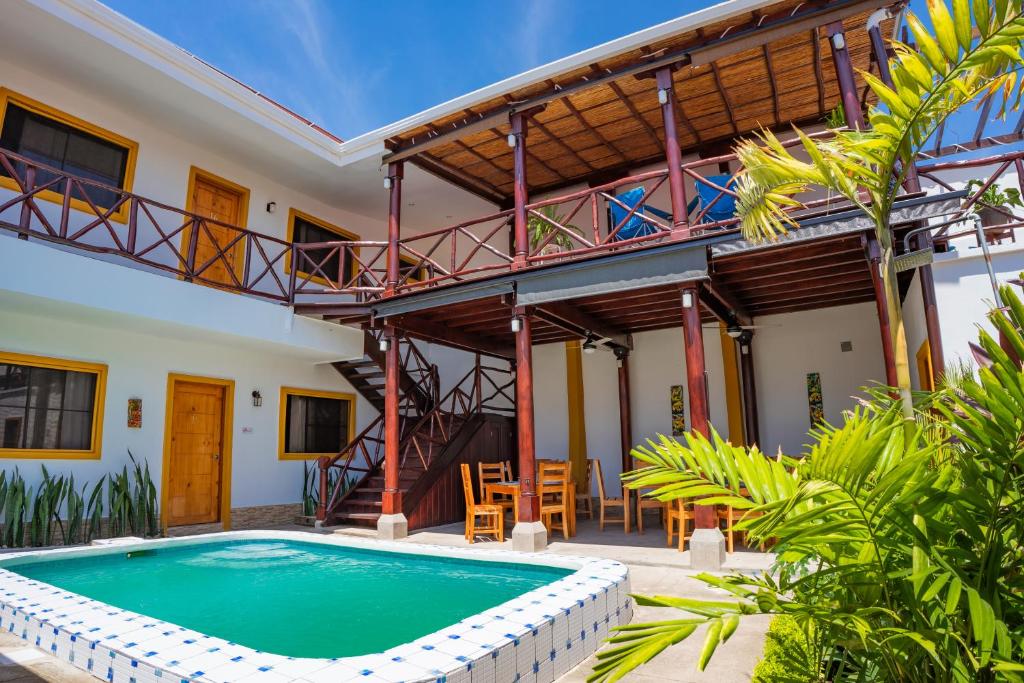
(724, 10)
(134, 39)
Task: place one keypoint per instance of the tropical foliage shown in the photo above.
(59, 510)
(901, 550)
(967, 56)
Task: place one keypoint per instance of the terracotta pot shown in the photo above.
(990, 216)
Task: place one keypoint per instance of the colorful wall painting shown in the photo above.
(678, 404)
(815, 404)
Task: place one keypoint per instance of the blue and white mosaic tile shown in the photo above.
(537, 636)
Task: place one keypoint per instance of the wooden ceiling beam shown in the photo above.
(720, 299)
(788, 284)
(653, 134)
(432, 331)
(828, 302)
(722, 92)
(453, 175)
(558, 142)
(738, 39)
(568, 317)
(818, 75)
(599, 136)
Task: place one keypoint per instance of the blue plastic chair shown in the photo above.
(724, 208)
(636, 226)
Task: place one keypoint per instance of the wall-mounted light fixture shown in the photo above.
(662, 96)
(687, 299)
(511, 139)
(385, 343)
(271, 207)
(387, 183)
(589, 346)
(517, 324)
(257, 398)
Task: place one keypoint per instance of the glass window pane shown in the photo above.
(315, 424)
(75, 430)
(46, 408)
(77, 152)
(306, 232)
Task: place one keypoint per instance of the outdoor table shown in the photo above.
(494, 488)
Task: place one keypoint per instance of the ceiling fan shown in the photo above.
(736, 331)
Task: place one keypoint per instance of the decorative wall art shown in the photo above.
(134, 413)
(815, 405)
(678, 405)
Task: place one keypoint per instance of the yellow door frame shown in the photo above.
(227, 423)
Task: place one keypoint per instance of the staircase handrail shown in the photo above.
(471, 403)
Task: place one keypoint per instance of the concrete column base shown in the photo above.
(707, 549)
(529, 537)
(392, 527)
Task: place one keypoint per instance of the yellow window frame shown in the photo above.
(96, 438)
(282, 454)
(294, 213)
(8, 96)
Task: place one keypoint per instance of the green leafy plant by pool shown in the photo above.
(900, 548)
(32, 517)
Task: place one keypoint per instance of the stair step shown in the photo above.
(364, 516)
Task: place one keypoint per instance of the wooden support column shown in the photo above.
(844, 73)
(673, 155)
(576, 406)
(625, 417)
(519, 190)
(394, 183)
(733, 387)
(696, 384)
(392, 497)
(874, 256)
(529, 504)
(750, 422)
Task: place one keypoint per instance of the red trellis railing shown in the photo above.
(423, 433)
(58, 207)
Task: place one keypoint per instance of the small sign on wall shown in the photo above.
(815, 404)
(678, 405)
(134, 413)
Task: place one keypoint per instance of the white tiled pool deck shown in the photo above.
(539, 636)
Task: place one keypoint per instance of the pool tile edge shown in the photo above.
(537, 636)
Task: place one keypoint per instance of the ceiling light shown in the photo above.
(734, 331)
(589, 346)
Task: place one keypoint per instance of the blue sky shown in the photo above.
(352, 65)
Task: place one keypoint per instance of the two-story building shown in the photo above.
(548, 267)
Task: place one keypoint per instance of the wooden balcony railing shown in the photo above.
(55, 206)
(58, 207)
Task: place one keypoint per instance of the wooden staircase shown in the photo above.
(366, 375)
(431, 441)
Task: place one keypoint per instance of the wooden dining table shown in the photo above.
(511, 488)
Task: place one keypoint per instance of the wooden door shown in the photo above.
(195, 457)
(220, 202)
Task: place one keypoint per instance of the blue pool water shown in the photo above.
(294, 598)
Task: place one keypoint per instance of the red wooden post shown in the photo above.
(844, 73)
(529, 504)
(696, 385)
(625, 417)
(750, 422)
(673, 155)
(321, 507)
(874, 257)
(25, 221)
(394, 182)
(520, 192)
(391, 501)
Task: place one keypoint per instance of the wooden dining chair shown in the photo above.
(678, 516)
(553, 489)
(584, 501)
(481, 520)
(607, 503)
(645, 503)
(493, 472)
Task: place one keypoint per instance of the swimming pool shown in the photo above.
(280, 606)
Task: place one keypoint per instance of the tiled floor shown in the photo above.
(654, 570)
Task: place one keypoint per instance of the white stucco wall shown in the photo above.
(138, 365)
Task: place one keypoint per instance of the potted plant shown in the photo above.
(539, 229)
(993, 205)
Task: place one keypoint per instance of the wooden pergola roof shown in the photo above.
(766, 69)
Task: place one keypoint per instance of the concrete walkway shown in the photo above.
(654, 570)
